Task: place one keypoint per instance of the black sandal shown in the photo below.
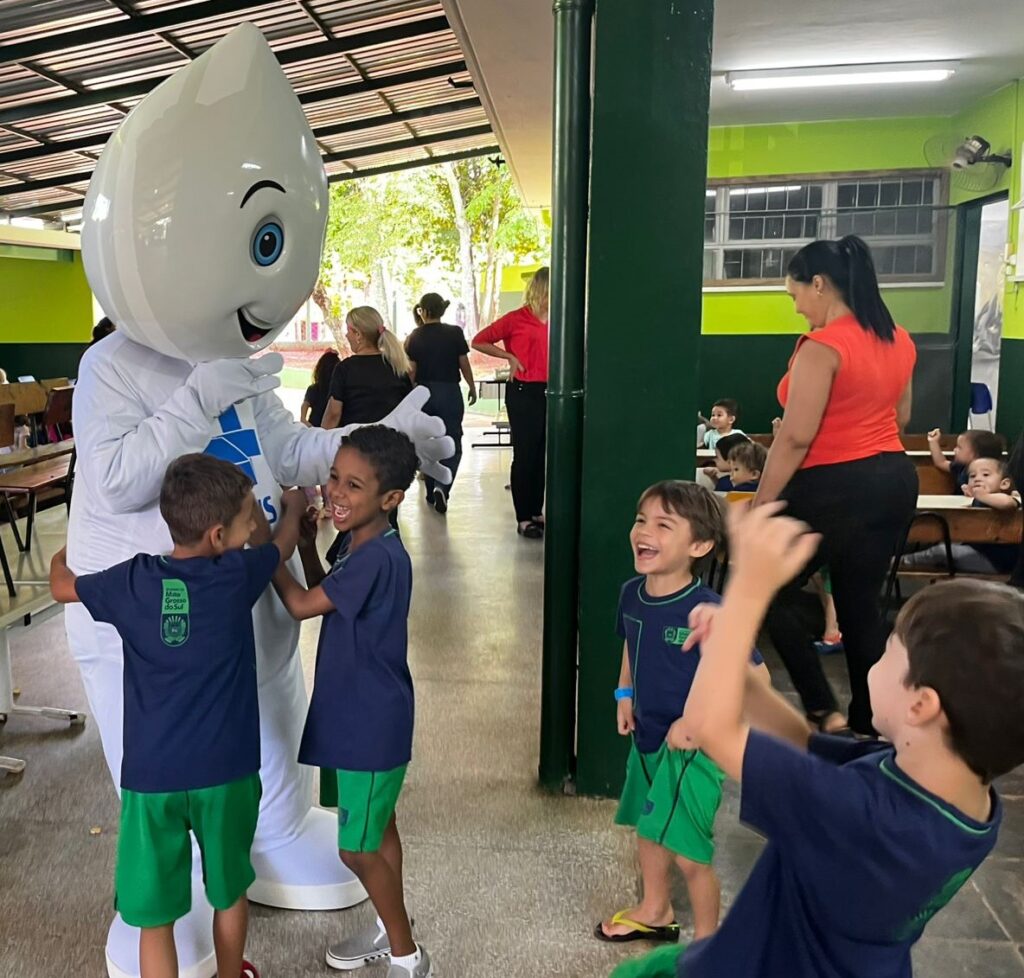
(532, 531)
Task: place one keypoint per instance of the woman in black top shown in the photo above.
(315, 402)
(439, 353)
(371, 383)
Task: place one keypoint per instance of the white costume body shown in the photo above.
(175, 237)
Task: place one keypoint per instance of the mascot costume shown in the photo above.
(201, 238)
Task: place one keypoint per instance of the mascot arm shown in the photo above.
(123, 447)
(297, 455)
(301, 456)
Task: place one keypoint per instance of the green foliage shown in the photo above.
(397, 233)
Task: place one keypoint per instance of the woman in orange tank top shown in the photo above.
(838, 463)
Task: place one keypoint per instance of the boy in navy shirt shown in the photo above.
(969, 446)
(990, 487)
(669, 796)
(897, 826)
(360, 719)
(746, 463)
(191, 716)
(720, 472)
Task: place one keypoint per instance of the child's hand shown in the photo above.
(967, 490)
(711, 471)
(261, 534)
(776, 424)
(700, 624)
(625, 717)
(293, 501)
(767, 550)
(934, 435)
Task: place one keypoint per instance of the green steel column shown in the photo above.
(649, 167)
(573, 21)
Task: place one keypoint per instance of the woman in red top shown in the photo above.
(524, 333)
(838, 462)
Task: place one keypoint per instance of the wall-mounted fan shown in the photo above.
(970, 160)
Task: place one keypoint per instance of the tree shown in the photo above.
(451, 226)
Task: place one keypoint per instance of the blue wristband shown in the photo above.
(624, 693)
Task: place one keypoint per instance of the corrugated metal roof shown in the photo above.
(401, 97)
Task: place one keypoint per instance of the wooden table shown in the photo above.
(44, 453)
(967, 523)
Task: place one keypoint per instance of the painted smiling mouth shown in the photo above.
(250, 331)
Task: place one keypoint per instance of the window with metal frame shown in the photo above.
(753, 228)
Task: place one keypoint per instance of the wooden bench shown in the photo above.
(16, 613)
(29, 481)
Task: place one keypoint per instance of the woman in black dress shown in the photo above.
(439, 353)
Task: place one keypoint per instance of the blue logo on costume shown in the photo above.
(237, 445)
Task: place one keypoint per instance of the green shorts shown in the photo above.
(366, 804)
(671, 797)
(153, 880)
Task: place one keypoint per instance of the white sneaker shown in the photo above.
(360, 949)
(421, 970)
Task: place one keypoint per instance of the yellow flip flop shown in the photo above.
(639, 932)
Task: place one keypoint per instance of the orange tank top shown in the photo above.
(860, 417)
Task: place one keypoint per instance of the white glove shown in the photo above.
(220, 383)
(425, 432)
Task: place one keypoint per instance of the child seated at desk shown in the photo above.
(969, 446)
(721, 472)
(746, 463)
(988, 485)
(721, 423)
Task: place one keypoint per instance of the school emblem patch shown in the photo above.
(174, 613)
(676, 636)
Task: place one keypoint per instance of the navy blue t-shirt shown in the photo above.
(654, 630)
(361, 711)
(723, 484)
(191, 714)
(750, 486)
(841, 819)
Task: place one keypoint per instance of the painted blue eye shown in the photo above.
(267, 243)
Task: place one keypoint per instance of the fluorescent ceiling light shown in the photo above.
(841, 76)
(28, 222)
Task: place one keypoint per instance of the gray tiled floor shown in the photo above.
(502, 878)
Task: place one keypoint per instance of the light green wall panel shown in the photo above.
(821, 147)
(920, 310)
(44, 301)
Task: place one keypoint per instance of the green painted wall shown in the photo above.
(45, 316)
(820, 147)
(44, 301)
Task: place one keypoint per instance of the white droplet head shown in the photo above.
(205, 217)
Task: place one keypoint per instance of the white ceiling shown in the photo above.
(509, 46)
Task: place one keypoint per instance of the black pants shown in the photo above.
(447, 404)
(527, 417)
(860, 508)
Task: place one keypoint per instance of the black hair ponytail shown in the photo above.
(847, 263)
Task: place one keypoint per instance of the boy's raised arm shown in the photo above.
(939, 459)
(768, 550)
(300, 602)
(62, 578)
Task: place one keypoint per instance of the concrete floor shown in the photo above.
(503, 880)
